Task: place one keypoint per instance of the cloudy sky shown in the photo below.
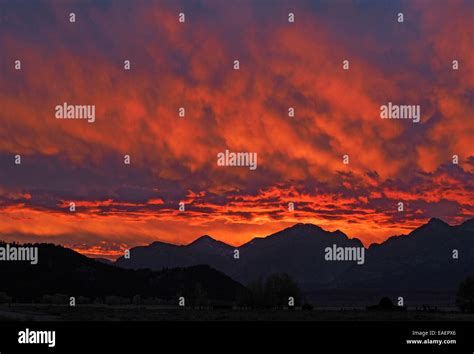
(190, 65)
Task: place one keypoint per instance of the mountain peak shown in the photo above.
(302, 226)
(433, 225)
(436, 221)
(204, 240)
(157, 244)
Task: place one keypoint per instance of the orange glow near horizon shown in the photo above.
(190, 65)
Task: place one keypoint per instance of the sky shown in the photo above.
(173, 159)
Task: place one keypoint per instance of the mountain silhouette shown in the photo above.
(425, 259)
(422, 260)
(298, 251)
(159, 255)
(63, 271)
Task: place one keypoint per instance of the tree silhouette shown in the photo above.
(256, 294)
(274, 292)
(279, 288)
(465, 295)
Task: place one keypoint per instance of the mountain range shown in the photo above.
(433, 257)
(64, 271)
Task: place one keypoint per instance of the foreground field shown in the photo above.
(35, 312)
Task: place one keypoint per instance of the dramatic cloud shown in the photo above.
(191, 65)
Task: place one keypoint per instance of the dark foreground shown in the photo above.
(43, 312)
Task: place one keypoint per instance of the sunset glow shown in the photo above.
(173, 159)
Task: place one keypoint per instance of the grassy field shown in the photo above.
(39, 312)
